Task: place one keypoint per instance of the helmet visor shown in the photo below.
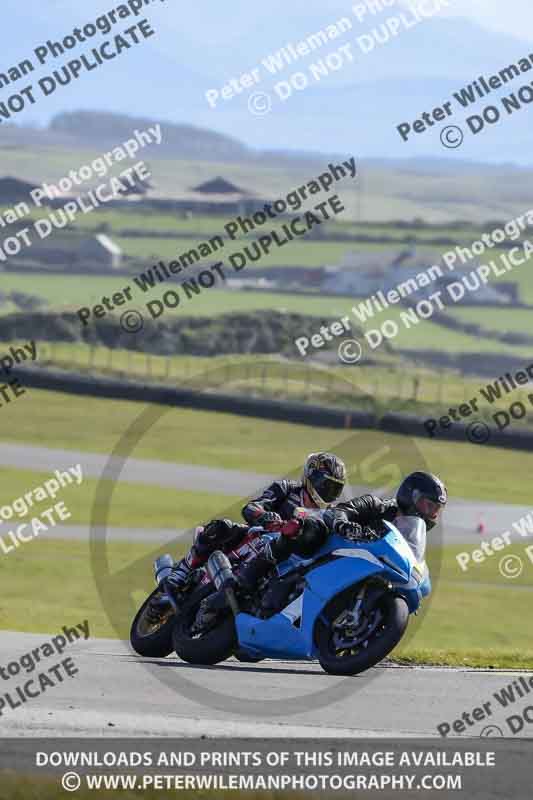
(426, 508)
(328, 489)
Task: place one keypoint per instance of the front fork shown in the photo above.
(352, 618)
(349, 619)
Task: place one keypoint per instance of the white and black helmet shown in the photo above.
(324, 478)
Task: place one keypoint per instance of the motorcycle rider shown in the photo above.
(420, 494)
(323, 479)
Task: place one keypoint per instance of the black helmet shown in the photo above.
(324, 478)
(423, 495)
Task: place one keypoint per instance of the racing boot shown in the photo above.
(180, 576)
(174, 584)
(217, 534)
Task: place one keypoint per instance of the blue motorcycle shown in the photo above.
(347, 607)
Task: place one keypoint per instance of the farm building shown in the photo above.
(69, 251)
(13, 190)
(214, 196)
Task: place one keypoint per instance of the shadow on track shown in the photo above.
(237, 667)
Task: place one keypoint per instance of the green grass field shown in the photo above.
(41, 787)
(427, 335)
(134, 505)
(74, 292)
(186, 436)
(381, 191)
(494, 634)
(296, 254)
(150, 220)
(515, 320)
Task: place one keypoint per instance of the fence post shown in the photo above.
(441, 389)
(401, 385)
(376, 384)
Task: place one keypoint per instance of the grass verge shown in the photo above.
(15, 787)
(133, 506)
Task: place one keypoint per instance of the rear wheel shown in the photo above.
(348, 647)
(210, 646)
(151, 632)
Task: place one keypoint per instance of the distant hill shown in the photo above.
(100, 130)
(182, 141)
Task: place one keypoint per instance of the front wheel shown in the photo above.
(345, 649)
(210, 646)
(151, 634)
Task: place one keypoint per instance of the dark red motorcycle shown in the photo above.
(151, 630)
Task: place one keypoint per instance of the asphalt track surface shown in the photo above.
(117, 693)
(148, 472)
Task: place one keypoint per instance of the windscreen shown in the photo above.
(413, 530)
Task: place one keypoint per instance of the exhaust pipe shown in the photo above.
(220, 572)
(162, 568)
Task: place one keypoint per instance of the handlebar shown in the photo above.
(291, 528)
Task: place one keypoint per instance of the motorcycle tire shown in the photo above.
(216, 645)
(151, 640)
(380, 644)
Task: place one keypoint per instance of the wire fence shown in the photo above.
(378, 388)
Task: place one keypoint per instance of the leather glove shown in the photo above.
(352, 530)
(390, 508)
(369, 535)
(269, 520)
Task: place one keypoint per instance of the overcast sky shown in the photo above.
(200, 46)
(511, 16)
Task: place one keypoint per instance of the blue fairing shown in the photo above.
(290, 633)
